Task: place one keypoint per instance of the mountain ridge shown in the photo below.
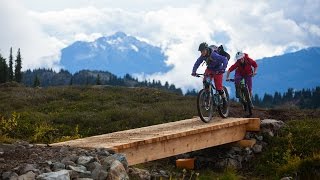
(112, 53)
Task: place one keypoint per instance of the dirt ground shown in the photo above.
(14, 155)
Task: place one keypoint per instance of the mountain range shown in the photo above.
(119, 54)
(122, 54)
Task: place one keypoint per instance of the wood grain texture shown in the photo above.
(164, 140)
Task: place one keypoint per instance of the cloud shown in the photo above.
(262, 29)
(20, 31)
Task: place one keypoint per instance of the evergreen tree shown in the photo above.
(18, 67)
(98, 82)
(277, 98)
(3, 70)
(36, 82)
(11, 78)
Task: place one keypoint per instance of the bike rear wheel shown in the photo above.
(205, 105)
(224, 111)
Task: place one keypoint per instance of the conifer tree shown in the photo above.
(3, 70)
(36, 82)
(18, 67)
(11, 78)
(98, 82)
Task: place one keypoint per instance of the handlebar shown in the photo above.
(199, 75)
(232, 80)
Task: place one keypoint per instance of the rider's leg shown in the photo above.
(207, 73)
(249, 83)
(237, 78)
(218, 83)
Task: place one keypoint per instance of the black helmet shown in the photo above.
(203, 46)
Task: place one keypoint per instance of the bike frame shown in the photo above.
(210, 100)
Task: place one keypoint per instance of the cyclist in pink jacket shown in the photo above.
(243, 67)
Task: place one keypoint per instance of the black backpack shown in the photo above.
(222, 52)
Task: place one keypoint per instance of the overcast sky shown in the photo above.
(41, 28)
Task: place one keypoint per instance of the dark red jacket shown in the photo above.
(244, 69)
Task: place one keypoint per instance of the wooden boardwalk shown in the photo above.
(169, 139)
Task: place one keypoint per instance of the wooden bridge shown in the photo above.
(159, 141)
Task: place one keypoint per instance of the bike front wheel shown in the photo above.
(205, 105)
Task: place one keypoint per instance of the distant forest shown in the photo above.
(11, 71)
(48, 77)
(304, 99)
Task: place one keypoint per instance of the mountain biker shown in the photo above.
(216, 65)
(243, 67)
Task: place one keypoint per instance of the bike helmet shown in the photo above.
(203, 46)
(239, 55)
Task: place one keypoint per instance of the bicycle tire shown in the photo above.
(248, 101)
(224, 112)
(201, 103)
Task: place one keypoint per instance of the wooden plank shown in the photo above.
(246, 143)
(164, 140)
(254, 124)
(171, 147)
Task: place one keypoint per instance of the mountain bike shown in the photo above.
(209, 100)
(244, 96)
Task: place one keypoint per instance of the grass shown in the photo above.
(294, 152)
(56, 113)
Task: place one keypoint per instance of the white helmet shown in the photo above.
(239, 55)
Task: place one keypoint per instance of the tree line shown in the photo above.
(42, 77)
(304, 99)
(11, 70)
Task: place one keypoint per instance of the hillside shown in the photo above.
(43, 115)
(296, 70)
(91, 109)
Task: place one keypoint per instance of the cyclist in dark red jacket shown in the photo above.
(243, 68)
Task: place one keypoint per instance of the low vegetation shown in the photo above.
(294, 152)
(60, 113)
(46, 115)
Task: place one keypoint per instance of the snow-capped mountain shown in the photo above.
(118, 54)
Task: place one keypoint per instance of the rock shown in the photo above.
(83, 160)
(9, 175)
(234, 163)
(139, 174)
(117, 171)
(259, 138)
(257, 148)
(57, 166)
(122, 158)
(61, 175)
(33, 156)
(2, 160)
(81, 171)
(1, 151)
(106, 162)
(93, 165)
(99, 173)
(286, 178)
(64, 150)
(269, 126)
(29, 167)
(28, 176)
